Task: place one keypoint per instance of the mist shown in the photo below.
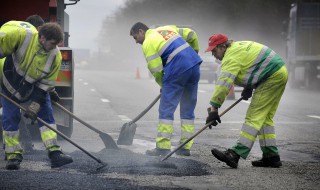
(256, 20)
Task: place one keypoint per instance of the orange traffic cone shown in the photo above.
(137, 73)
(231, 95)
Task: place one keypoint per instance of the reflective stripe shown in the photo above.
(267, 136)
(50, 142)
(186, 134)
(165, 135)
(181, 31)
(228, 75)
(167, 44)
(152, 57)
(176, 51)
(267, 130)
(166, 122)
(246, 142)
(49, 62)
(44, 128)
(250, 130)
(10, 88)
(253, 66)
(189, 35)
(262, 67)
(11, 141)
(13, 149)
(224, 83)
(11, 134)
(156, 69)
(187, 122)
(22, 50)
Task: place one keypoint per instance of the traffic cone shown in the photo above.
(231, 95)
(137, 73)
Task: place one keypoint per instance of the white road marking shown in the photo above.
(80, 79)
(92, 90)
(314, 116)
(85, 83)
(124, 118)
(104, 100)
(202, 91)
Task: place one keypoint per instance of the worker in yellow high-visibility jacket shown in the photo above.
(253, 66)
(31, 66)
(172, 57)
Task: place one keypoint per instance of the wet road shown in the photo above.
(108, 99)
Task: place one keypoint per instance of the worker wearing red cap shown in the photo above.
(253, 66)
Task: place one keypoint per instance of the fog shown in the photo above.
(103, 26)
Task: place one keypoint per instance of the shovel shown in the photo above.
(58, 132)
(106, 139)
(202, 129)
(129, 129)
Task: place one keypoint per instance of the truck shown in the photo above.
(302, 44)
(50, 11)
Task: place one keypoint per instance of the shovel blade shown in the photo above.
(108, 141)
(127, 133)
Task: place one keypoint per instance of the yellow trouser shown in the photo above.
(259, 117)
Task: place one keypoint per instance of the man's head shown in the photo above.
(35, 20)
(138, 31)
(218, 43)
(50, 35)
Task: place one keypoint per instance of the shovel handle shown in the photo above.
(146, 110)
(202, 129)
(53, 129)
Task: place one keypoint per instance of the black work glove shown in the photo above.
(213, 117)
(32, 111)
(246, 93)
(54, 96)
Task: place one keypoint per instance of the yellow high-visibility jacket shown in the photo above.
(170, 50)
(30, 62)
(246, 64)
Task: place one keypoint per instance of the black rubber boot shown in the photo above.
(273, 162)
(157, 152)
(229, 157)
(59, 159)
(14, 163)
(183, 152)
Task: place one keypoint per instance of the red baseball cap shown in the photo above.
(215, 40)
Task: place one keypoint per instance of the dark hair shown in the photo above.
(137, 26)
(35, 20)
(51, 31)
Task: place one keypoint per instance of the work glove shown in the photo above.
(54, 96)
(32, 111)
(213, 117)
(246, 93)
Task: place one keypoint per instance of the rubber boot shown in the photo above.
(14, 163)
(157, 152)
(273, 162)
(59, 159)
(229, 157)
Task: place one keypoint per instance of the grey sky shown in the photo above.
(86, 19)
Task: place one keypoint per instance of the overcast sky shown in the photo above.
(86, 19)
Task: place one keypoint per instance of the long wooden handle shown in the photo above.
(202, 129)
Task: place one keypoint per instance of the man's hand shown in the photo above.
(213, 117)
(54, 96)
(246, 93)
(32, 111)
